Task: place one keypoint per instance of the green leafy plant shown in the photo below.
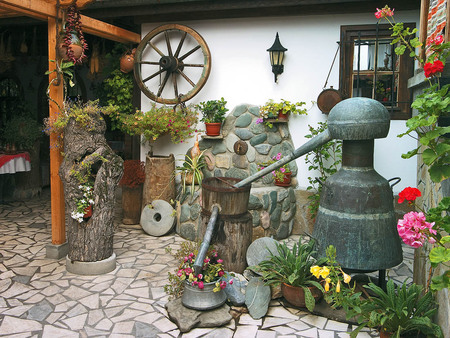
(432, 104)
(213, 111)
(118, 89)
(271, 109)
(179, 122)
(292, 266)
(277, 174)
(398, 310)
(191, 172)
(23, 131)
(337, 282)
(326, 160)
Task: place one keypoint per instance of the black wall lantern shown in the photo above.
(276, 53)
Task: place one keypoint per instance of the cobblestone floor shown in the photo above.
(39, 298)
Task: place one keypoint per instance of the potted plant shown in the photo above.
(279, 111)
(282, 175)
(179, 122)
(291, 268)
(191, 169)
(203, 291)
(132, 182)
(73, 45)
(213, 115)
(398, 311)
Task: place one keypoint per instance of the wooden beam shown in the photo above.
(43, 10)
(56, 186)
(424, 7)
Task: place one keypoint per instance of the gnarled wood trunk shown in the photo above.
(91, 240)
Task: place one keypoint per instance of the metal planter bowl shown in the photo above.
(202, 299)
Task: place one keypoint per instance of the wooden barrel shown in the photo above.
(159, 181)
(220, 190)
(231, 238)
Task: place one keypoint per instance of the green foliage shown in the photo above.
(270, 110)
(192, 166)
(177, 121)
(325, 159)
(292, 266)
(119, 92)
(23, 131)
(213, 111)
(399, 310)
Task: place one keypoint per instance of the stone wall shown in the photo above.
(273, 208)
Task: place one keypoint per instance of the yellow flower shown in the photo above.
(338, 286)
(324, 272)
(315, 270)
(327, 284)
(347, 278)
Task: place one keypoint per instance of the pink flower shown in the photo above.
(384, 12)
(414, 230)
(200, 276)
(278, 156)
(186, 259)
(180, 273)
(230, 282)
(259, 120)
(282, 170)
(220, 261)
(200, 285)
(188, 271)
(220, 273)
(223, 284)
(206, 260)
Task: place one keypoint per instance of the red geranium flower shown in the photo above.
(431, 68)
(409, 194)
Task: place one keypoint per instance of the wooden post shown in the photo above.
(56, 187)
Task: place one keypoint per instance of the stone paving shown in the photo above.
(39, 298)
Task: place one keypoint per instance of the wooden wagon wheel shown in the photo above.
(169, 72)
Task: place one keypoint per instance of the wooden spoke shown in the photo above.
(177, 52)
(163, 84)
(189, 53)
(175, 87)
(153, 75)
(187, 79)
(169, 48)
(168, 36)
(156, 49)
(193, 65)
(149, 63)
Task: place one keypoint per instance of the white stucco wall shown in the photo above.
(241, 73)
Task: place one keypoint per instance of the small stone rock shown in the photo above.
(195, 211)
(187, 231)
(258, 139)
(219, 148)
(276, 291)
(185, 213)
(282, 231)
(239, 110)
(233, 291)
(187, 319)
(265, 220)
(240, 161)
(258, 128)
(255, 218)
(230, 141)
(282, 195)
(236, 173)
(254, 110)
(263, 149)
(284, 131)
(251, 154)
(223, 161)
(254, 202)
(243, 133)
(273, 138)
(243, 121)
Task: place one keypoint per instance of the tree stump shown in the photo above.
(91, 240)
(231, 238)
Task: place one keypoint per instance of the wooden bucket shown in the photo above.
(220, 190)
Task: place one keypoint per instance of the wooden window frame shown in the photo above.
(348, 35)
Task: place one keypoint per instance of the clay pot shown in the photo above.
(296, 296)
(88, 212)
(77, 51)
(213, 129)
(286, 182)
(282, 116)
(126, 63)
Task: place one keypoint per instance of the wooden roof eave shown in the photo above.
(42, 10)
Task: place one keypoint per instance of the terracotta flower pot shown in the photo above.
(126, 63)
(88, 212)
(385, 334)
(286, 182)
(213, 129)
(282, 116)
(296, 296)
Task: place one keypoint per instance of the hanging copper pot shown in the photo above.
(127, 62)
(328, 98)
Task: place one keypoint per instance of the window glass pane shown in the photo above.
(387, 89)
(362, 86)
(385, 56)
(364, 51)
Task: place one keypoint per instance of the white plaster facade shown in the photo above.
(241, 73)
